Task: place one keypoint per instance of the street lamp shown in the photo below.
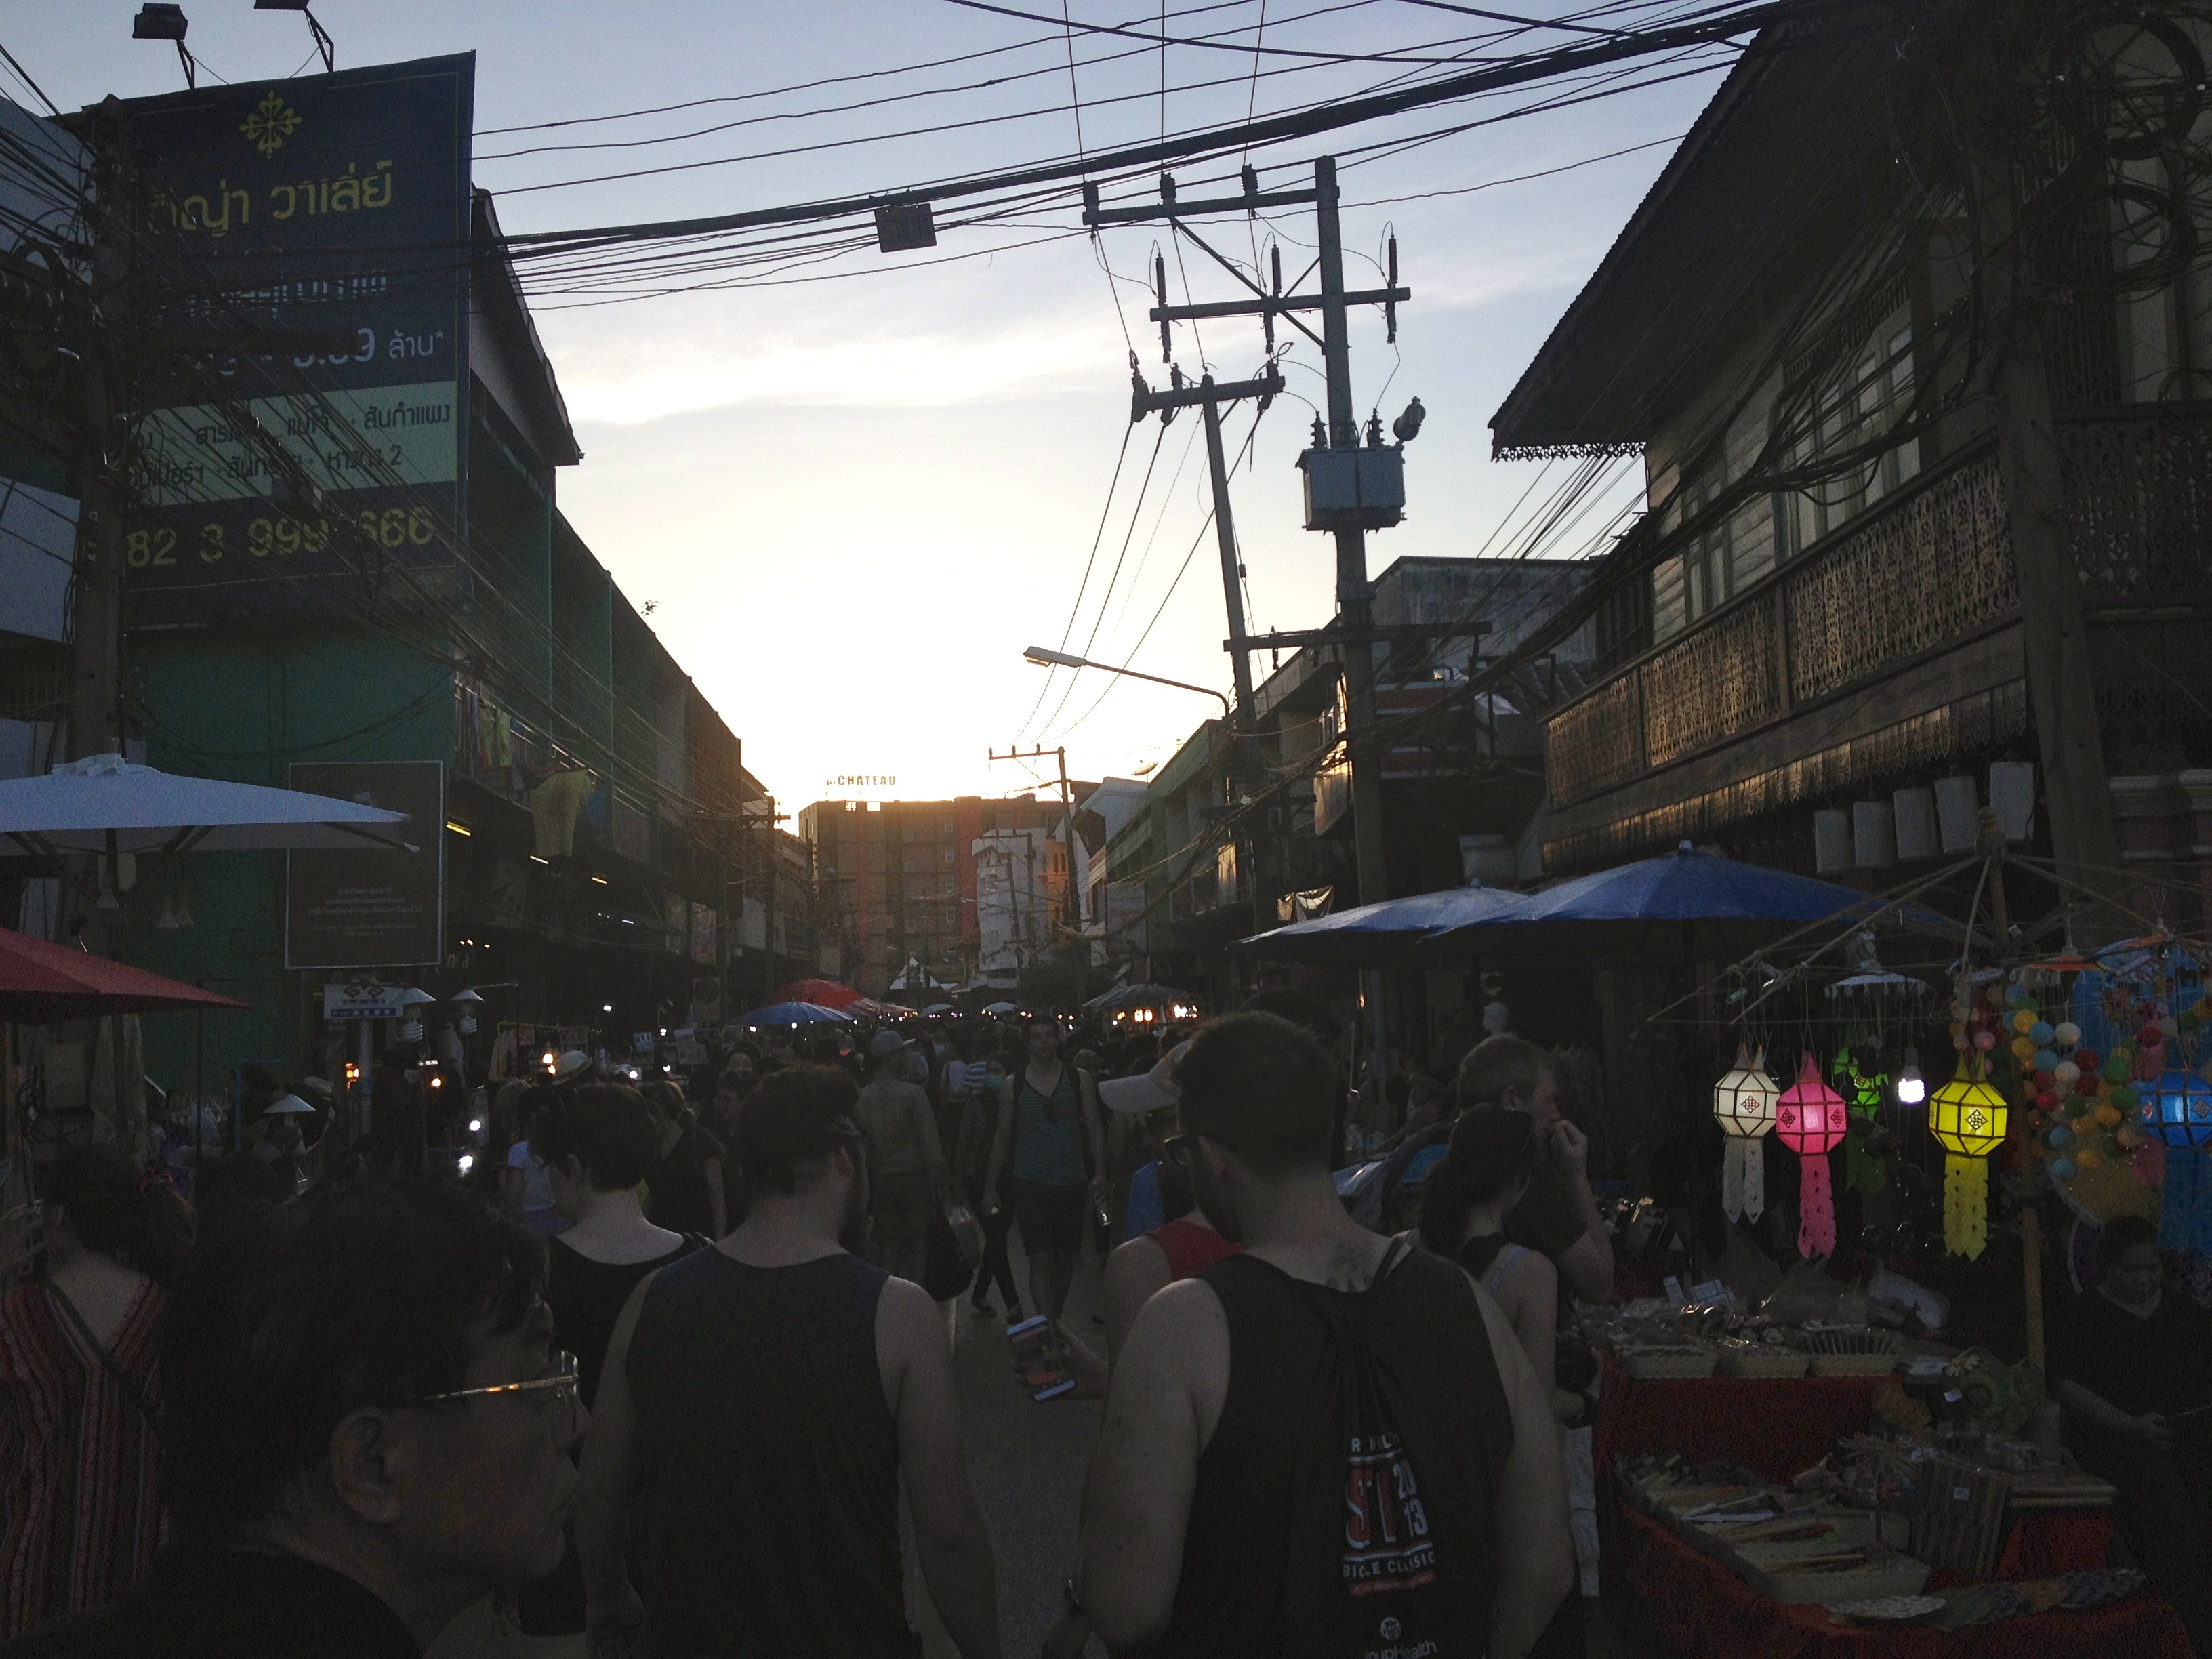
(1044, 658)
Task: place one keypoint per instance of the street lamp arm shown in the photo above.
(1047, 658)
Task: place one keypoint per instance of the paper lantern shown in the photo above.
(1743, 1101)
(1810, 1119)
(1968, 1118)
(2177, 1111)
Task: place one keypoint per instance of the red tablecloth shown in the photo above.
(1701, 1608)
(1774, 1429)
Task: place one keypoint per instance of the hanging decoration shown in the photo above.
(1810, 1119)
(1743, 1101)
(1858, 1077)
(1967, 1118)
(2176, 1115)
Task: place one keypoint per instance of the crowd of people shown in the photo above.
(669, 1377)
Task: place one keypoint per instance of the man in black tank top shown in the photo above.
(1199, 1535)
(761, 1404)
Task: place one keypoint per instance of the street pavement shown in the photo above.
(1026, 1462)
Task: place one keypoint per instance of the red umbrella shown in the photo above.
(40, 982)
(822, 992)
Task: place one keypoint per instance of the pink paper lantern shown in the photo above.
(1811, 1120)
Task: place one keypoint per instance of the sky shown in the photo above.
(853, 491)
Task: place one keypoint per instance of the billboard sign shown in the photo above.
(377, 908)
(302, 258)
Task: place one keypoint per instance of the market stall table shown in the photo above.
(1776, 1428)
(1700, 1607)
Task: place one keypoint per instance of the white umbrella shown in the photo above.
(103, 804)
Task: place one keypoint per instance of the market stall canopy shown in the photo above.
(795, 1013)
(40, 982)
(104, 804)
(1143, 996)
(822, 992)
(1375, 935)
(914, 977)
(1627, 908)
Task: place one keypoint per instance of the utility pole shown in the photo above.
(1070, 902)
(1232, 570)
(1349, 489)
(1354, 597)
(96, 667)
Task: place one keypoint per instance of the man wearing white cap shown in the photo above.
(1184, 1244)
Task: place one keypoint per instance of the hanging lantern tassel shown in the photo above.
(1810, 1119)
(1968, 1118)
(1743, 1101)
(1743, 1179)
(1816, 1208)
(1965, 1205)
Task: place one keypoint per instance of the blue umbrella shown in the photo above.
(1630, 908)
(1376, 935)
(796, 1013)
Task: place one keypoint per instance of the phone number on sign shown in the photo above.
(163, 548)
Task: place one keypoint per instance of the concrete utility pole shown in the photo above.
(1232, 570)
(1354, 599)
(96, 655)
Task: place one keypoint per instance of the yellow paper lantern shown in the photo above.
(2024, 1022)
(1967, 1117)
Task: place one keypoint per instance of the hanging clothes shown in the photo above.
(555, 806)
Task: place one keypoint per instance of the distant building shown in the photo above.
(903, 879)
(1195, 867)
(598, 825)
(1099, 816)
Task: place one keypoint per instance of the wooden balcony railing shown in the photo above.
(1928, 569)
(1929, 566)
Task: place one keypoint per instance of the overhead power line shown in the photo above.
(1164, 40)
(1297, 123)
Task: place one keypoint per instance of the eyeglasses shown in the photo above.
(1180, 1147)
(563, 1384)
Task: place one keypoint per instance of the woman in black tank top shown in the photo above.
(595, 1144)
(1463, 1209)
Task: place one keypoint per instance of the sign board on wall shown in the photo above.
(334, 212)
(377, 908)
(364, 1001)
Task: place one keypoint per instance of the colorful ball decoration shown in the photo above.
(1743, 1101)
(1967, 1118)
(1810, 1119)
